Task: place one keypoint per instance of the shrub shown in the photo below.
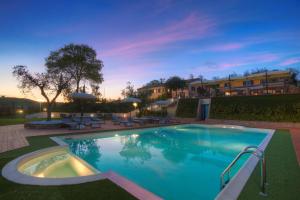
(260, 108)
(187, 108)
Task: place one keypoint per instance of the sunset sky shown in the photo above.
(143, 40)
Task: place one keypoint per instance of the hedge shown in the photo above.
(260, 108)
(187, 108)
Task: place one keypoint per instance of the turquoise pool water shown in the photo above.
(176, 162)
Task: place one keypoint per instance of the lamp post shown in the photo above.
(135, 105)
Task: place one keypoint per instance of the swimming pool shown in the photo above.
(175, 162)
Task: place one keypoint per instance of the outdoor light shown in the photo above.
(135, 104)
(20, 111)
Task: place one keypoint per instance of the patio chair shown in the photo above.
(126, 122)
(116, 120)
(138, 121)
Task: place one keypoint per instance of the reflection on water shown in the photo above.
(174, 163)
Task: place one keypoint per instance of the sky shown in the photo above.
(141, 40)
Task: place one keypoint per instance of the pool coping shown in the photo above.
(230, 191)
(236, 184)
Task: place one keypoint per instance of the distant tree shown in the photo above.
(234, 74)
(175, 83)
(295, 75)
(247, 73)
(259, 70)
(96, 91)
(80, 61)
(162, 80)
(154, 83)
(49, 84)
(191, 76)
(129, 90)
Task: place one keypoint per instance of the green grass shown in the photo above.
(283, 171)
(12, 121)
(103, 189)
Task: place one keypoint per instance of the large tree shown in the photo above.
(175, 83)
(80, 61)
(51, 85)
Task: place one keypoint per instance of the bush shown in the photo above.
(259, 108)
(159, 113)
(187, 108)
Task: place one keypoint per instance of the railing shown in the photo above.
(254, 150)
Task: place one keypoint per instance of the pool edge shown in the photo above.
(233, 189)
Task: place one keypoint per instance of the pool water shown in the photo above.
(56, 164)
(175, 162)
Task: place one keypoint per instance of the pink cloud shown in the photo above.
(191, 27)
(227, 47)
(253, 59)
(290, 61)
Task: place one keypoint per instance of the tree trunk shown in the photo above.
(77, 86)
(49, 110)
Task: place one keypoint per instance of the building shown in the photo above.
(271, 82)
(154, 91)
(158, 90)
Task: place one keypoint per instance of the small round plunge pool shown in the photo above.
(50, 166)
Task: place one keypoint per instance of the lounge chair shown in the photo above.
(116, 120)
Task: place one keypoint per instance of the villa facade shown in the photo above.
(159, 90)
(273, 82)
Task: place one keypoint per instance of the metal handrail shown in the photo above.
(254, 150)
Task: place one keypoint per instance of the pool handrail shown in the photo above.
(254, 150)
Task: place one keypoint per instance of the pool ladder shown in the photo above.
(254, 150)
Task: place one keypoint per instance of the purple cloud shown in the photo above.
(290, 61)
(191, 27)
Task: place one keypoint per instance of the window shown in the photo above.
(193, 89)
(248, 83)
(226, 84)
(263, 82)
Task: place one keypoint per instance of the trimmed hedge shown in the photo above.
(187, 108)
(259, 108)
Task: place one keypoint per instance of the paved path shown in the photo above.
(11, 138)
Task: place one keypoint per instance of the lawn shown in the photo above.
(103, 189)
(283, 177)
(283, 171)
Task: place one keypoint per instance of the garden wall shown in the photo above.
(259, 108)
